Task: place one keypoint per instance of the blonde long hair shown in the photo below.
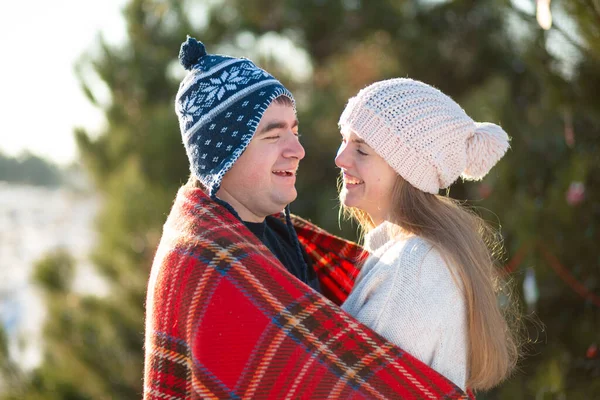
(468, 244)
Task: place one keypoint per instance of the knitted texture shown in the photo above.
(406, 293)
(219, 105)
(225, 320)
(424, 135)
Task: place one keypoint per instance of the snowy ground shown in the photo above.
(33, 221)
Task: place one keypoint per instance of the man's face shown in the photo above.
(262, 181)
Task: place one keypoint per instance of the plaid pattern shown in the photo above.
(334, 259)
(226, 320)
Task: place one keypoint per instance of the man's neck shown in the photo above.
(245, 214)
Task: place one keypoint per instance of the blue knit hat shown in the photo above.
(219, 105)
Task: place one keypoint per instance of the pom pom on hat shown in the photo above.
(191, 52)
(423, 134)
(219, 104)
(484, 149)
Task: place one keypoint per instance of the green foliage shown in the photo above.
(55, 272)
(471, 50)
(94, 346)
(29, 169)
(11, 378)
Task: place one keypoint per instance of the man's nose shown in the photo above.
(294, 148)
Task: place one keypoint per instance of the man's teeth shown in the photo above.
(284, 172)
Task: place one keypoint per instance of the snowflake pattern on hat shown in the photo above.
(219, 105)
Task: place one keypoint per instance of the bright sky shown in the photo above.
(40, 98)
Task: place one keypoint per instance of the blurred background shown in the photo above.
(91, 159)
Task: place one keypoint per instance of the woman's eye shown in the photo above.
(273, 137)
(362, 153)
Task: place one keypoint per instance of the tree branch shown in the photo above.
(595, 6)
(559, 29)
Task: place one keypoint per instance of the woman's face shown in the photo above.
(368, 179)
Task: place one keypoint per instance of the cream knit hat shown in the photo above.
(423, 134)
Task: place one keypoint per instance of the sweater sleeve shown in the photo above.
(409, 297)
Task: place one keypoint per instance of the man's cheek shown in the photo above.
(255, 175)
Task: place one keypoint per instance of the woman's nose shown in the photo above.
(341, 158)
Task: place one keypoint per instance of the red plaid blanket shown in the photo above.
(226, 320)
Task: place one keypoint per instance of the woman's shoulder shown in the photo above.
(410, 258)
(398, 258)
(411, 249)
(421, 261)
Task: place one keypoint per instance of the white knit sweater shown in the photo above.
(405, 293)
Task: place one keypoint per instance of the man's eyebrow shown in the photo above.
(276, 125)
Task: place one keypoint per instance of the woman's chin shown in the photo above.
(348, 200)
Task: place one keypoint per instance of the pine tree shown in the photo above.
(94, 346)
(469, 49)
(546, 195)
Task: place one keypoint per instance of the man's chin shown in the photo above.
(285, 199)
